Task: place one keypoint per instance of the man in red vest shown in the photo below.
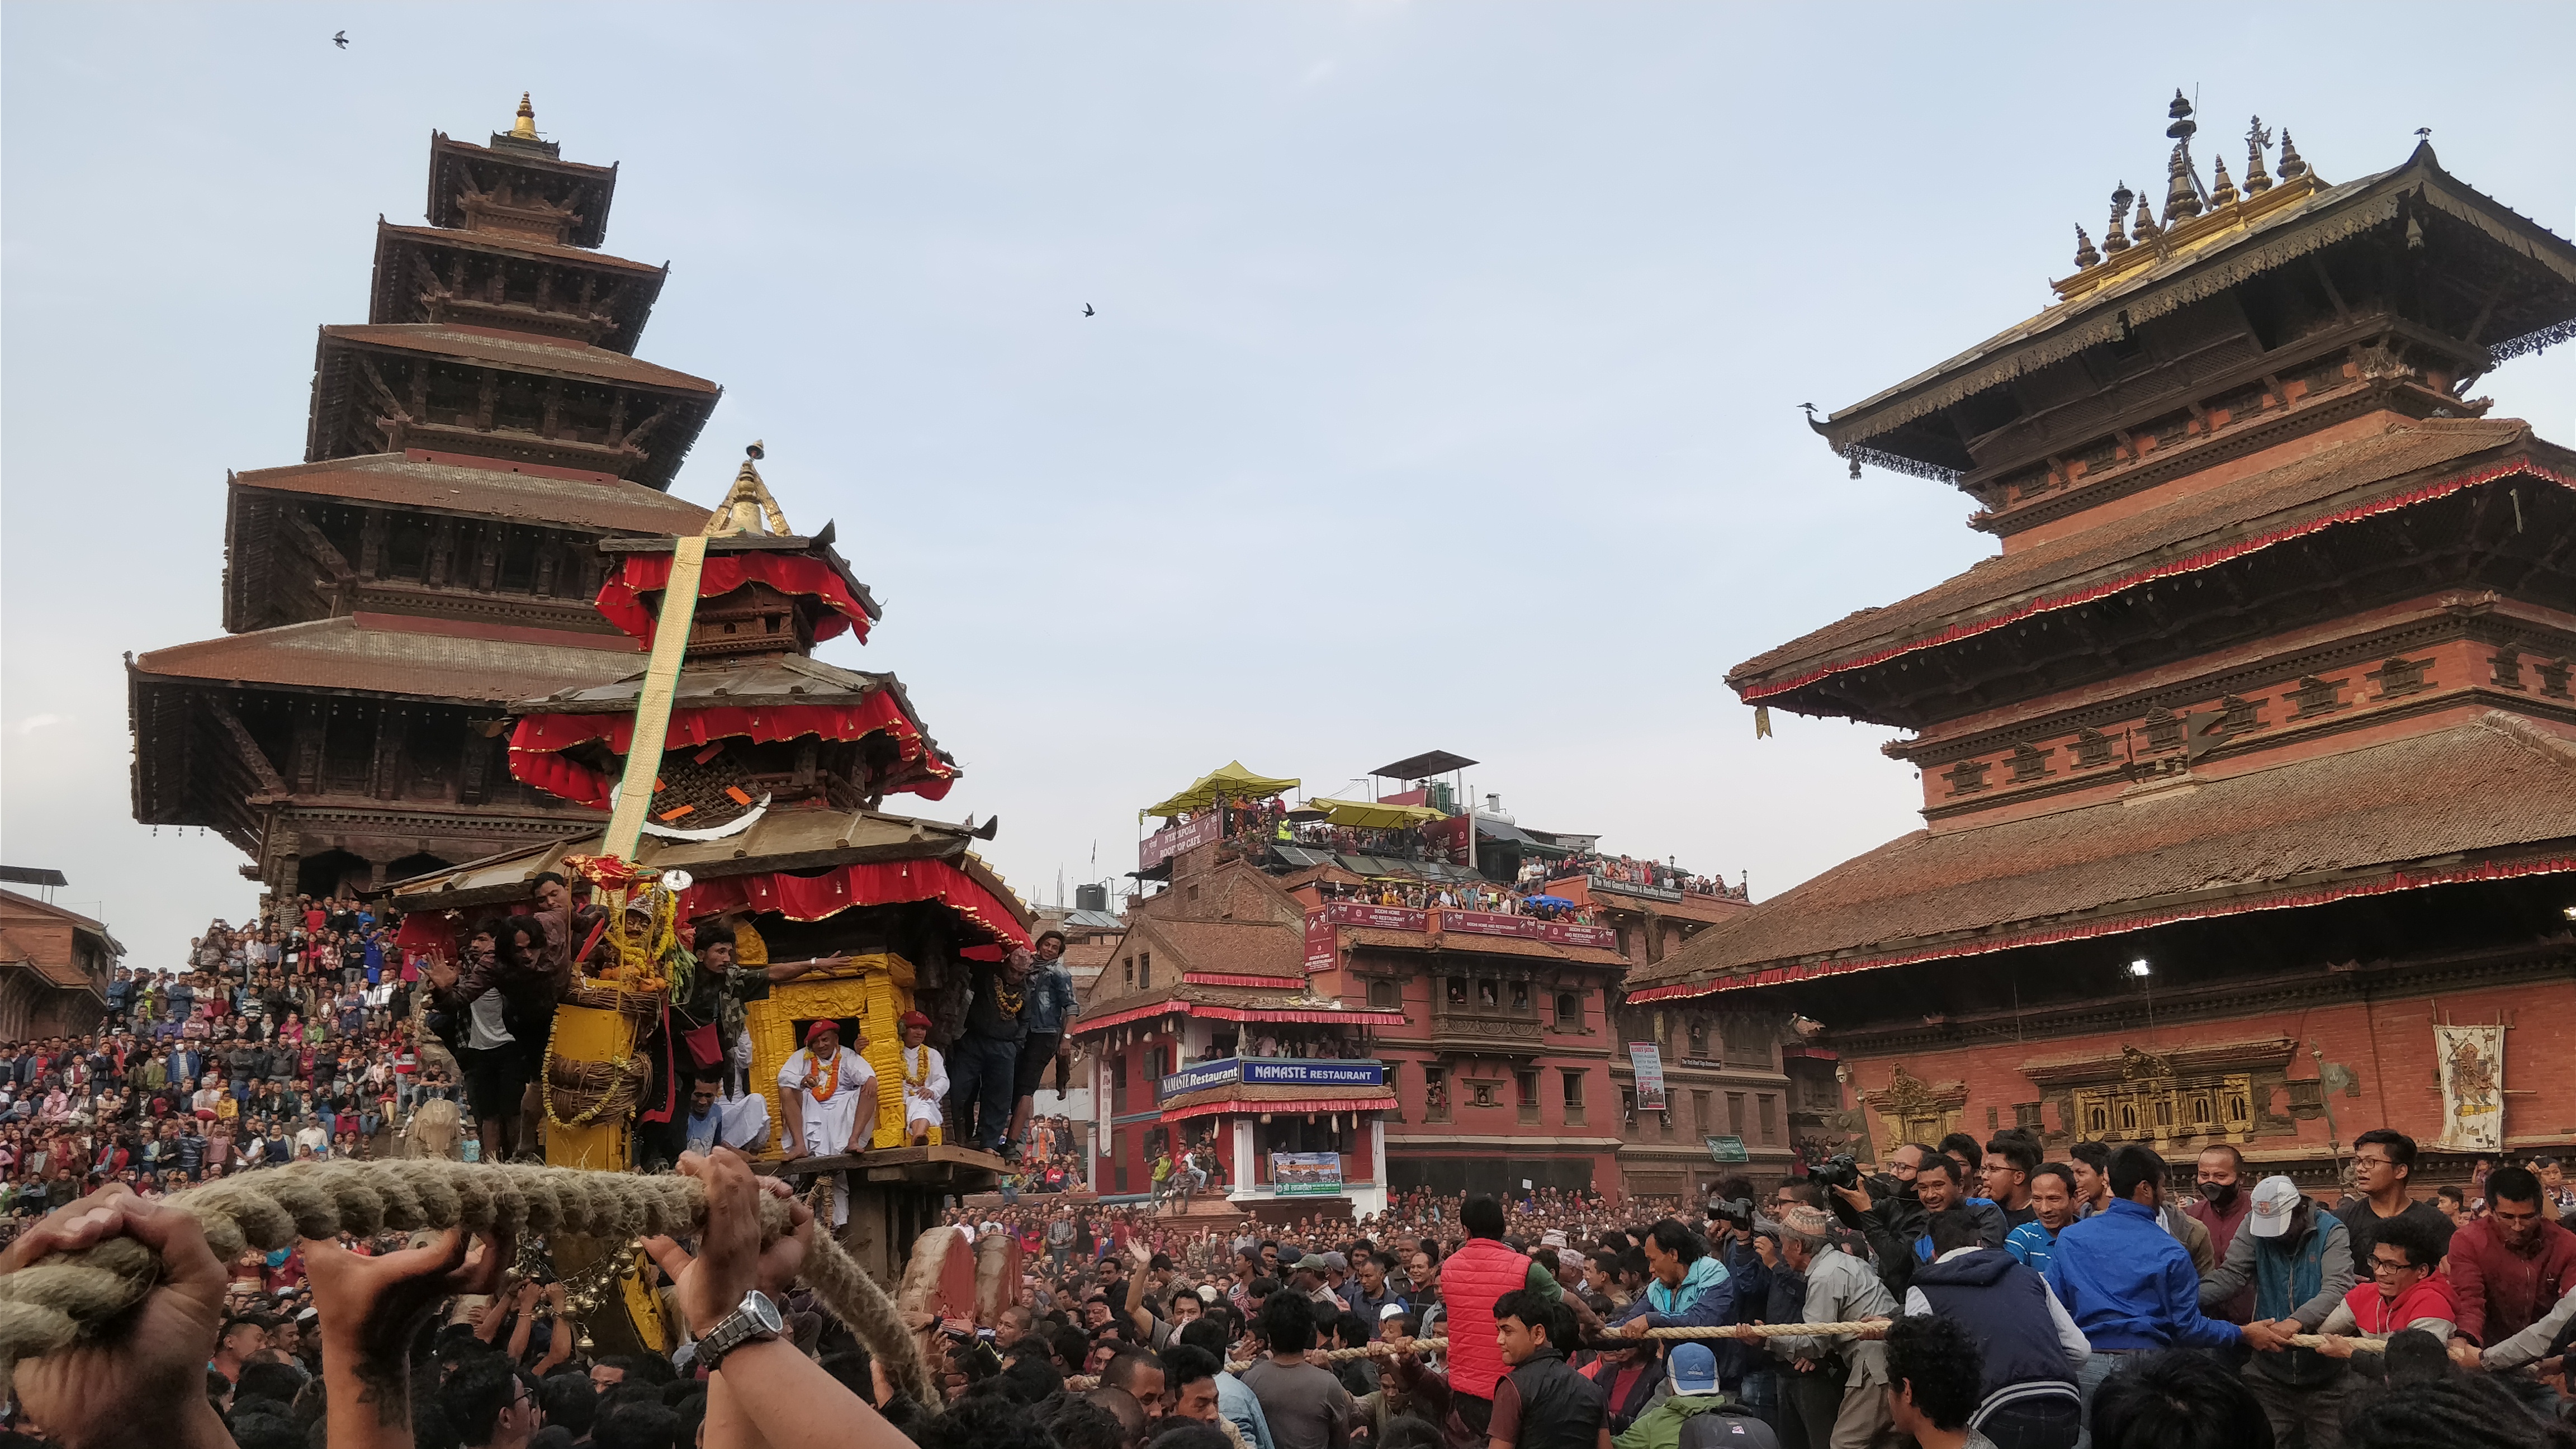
(1471, 1280)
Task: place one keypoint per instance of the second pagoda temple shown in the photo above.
(2248, 763)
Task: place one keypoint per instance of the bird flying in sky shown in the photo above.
(340, 39)
(1087, 312)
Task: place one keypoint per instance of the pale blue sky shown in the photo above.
(1442, 393)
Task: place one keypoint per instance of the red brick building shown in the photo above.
(2249, 765)
(54, 969)
(1343, 985)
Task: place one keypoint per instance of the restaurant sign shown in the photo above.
(1498, 923)
(1377, 918)
(1271, 1072)
(1205, 828)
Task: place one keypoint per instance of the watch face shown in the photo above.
(757, 1307)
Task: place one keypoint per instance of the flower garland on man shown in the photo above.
(925, 1080)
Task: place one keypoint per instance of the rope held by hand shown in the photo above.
(51, 1304)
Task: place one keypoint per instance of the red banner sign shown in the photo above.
(1205, 828)
(1497, 923)
(1320, 951)
(1377, 918)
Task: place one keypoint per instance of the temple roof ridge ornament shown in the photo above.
(748, 506)
(525, 127)
(2192, 213)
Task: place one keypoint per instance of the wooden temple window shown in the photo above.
(2507, 664)
(2316, 696)
(1385, 994)
(2236, 716)
(2026, 1116)
(1628, 1109)
(1967, 777)
(2030, 763)
(1699, 1038)
(2164, 731)
(1145, 971)
(2092, 749)
(2553, 677)
(2399, 677)
(1569, 1011)
(1435, 1094)
(1483, 1094)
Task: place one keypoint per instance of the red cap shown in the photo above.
(914, 1018)
(820, 1027)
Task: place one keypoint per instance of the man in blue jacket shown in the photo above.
(2128, 1285)
(1687, 1288)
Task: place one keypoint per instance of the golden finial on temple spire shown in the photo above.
(2222, 192)
(2182, 187)
(2257, 141)
(2116, 240)
(526, 128)
(748, 504)
(2145, 228)
(2293, 165)
(2085, 256)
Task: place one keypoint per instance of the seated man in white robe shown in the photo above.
(829, 1095)
(925, 1080)
(741, 1124)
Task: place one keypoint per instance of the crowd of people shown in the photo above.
(1628, 870)
(1969, 1295)
(1460, 896)
(281, 1040)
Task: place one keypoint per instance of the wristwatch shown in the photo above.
(756, 1320)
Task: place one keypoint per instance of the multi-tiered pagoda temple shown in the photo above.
(2249, 765)
(436, 553)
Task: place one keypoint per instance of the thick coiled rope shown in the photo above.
(53, 1303)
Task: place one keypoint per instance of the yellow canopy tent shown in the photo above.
(1370, 815)
(1229, 781)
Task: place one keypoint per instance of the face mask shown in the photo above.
(2219, 1194)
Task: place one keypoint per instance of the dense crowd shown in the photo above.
(1989, 1299)
(285, 1039)
(1460, 896)
(1629, 870)
(2001, 1301)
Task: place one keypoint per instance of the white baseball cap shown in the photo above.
(2275, 1199)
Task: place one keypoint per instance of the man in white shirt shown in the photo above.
(829, 1095)
(925, 1080)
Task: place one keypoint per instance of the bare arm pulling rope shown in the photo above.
(59, 1301)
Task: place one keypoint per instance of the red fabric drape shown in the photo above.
(638, 574)
(813, 897)
(537, 738)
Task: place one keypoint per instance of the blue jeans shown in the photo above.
(2097, 1369)
(980, 1075)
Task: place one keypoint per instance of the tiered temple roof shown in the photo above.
(2280, 619)
(436, 554)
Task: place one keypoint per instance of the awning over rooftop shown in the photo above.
(1428, 763)
(1370, 815)
(1229, 781)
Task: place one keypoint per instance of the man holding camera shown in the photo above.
(1898, 1227)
